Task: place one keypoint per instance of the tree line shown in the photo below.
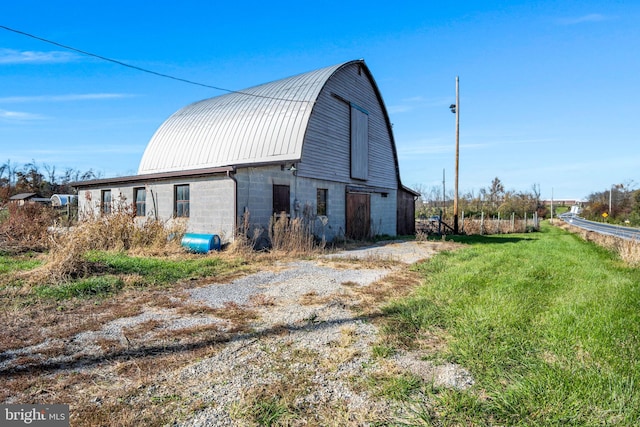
(42, 179)
(620, 203)
(493, 200)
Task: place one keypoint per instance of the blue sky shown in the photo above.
(550, 90)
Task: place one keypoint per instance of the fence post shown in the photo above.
(513, 222)
(482, 223)
(462, 225)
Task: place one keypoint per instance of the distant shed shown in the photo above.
(25, 198)
(61, 200)
(318, 146)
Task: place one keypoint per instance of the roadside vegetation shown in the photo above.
(628, 250)
(547, 324)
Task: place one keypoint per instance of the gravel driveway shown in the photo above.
(301, 340)
(322, 326)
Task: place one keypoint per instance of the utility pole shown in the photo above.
(455, 190)
(444, 198)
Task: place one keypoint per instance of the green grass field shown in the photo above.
(548, 325)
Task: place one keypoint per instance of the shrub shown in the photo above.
(24, 228)
(117, 231)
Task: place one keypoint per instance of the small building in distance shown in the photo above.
(61, 200)
(22, 199)
(318, 146)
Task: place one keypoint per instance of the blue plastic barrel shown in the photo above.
(201, 243)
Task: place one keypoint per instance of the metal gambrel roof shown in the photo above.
(265, 123)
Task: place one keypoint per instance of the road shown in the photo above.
(628, 233)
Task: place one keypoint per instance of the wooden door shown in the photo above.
(358, 216)
(281, 200)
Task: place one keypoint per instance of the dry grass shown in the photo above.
(495, 226)
(369, 262)
(240, 316)
(25, 228)
(392, 286)
(125, 383)
(293, 236)
(118, 231)
(313, 298)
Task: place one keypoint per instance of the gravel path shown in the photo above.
(335, 341)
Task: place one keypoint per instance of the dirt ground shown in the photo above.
(294, 344)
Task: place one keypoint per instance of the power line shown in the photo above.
(135, 67)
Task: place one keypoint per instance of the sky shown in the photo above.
(549, 90)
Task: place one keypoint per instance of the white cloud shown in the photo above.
(12, 56)
(592, 17)
(65, 98)
(394, 109)
(18, 116)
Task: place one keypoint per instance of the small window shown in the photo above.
(281, 200)
(321, 201)
(105, 202)
(140, 194)
(181, 208)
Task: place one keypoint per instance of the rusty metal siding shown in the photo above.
(261, 124)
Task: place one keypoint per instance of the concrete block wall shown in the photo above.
(212, 207)
(211, 203)
(384, 213)
(255, 196)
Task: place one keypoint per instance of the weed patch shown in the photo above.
(97, 286)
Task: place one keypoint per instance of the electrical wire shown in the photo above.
(135, 67)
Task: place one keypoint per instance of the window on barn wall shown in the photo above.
(321, 201)
(359, 142)
(140, 194)
(105, 202)
(181, 197)
(281, 199)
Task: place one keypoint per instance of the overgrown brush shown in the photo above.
(24, 228)
(294, 236)
(474, 226)
(118, 231)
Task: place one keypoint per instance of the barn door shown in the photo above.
(358, 216)
(281, 199)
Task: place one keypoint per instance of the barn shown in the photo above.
(318, 146)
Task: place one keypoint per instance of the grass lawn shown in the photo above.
(548, 325)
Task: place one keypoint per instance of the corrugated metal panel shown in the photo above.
(261, 124)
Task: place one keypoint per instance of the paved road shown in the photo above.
(628, 233)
